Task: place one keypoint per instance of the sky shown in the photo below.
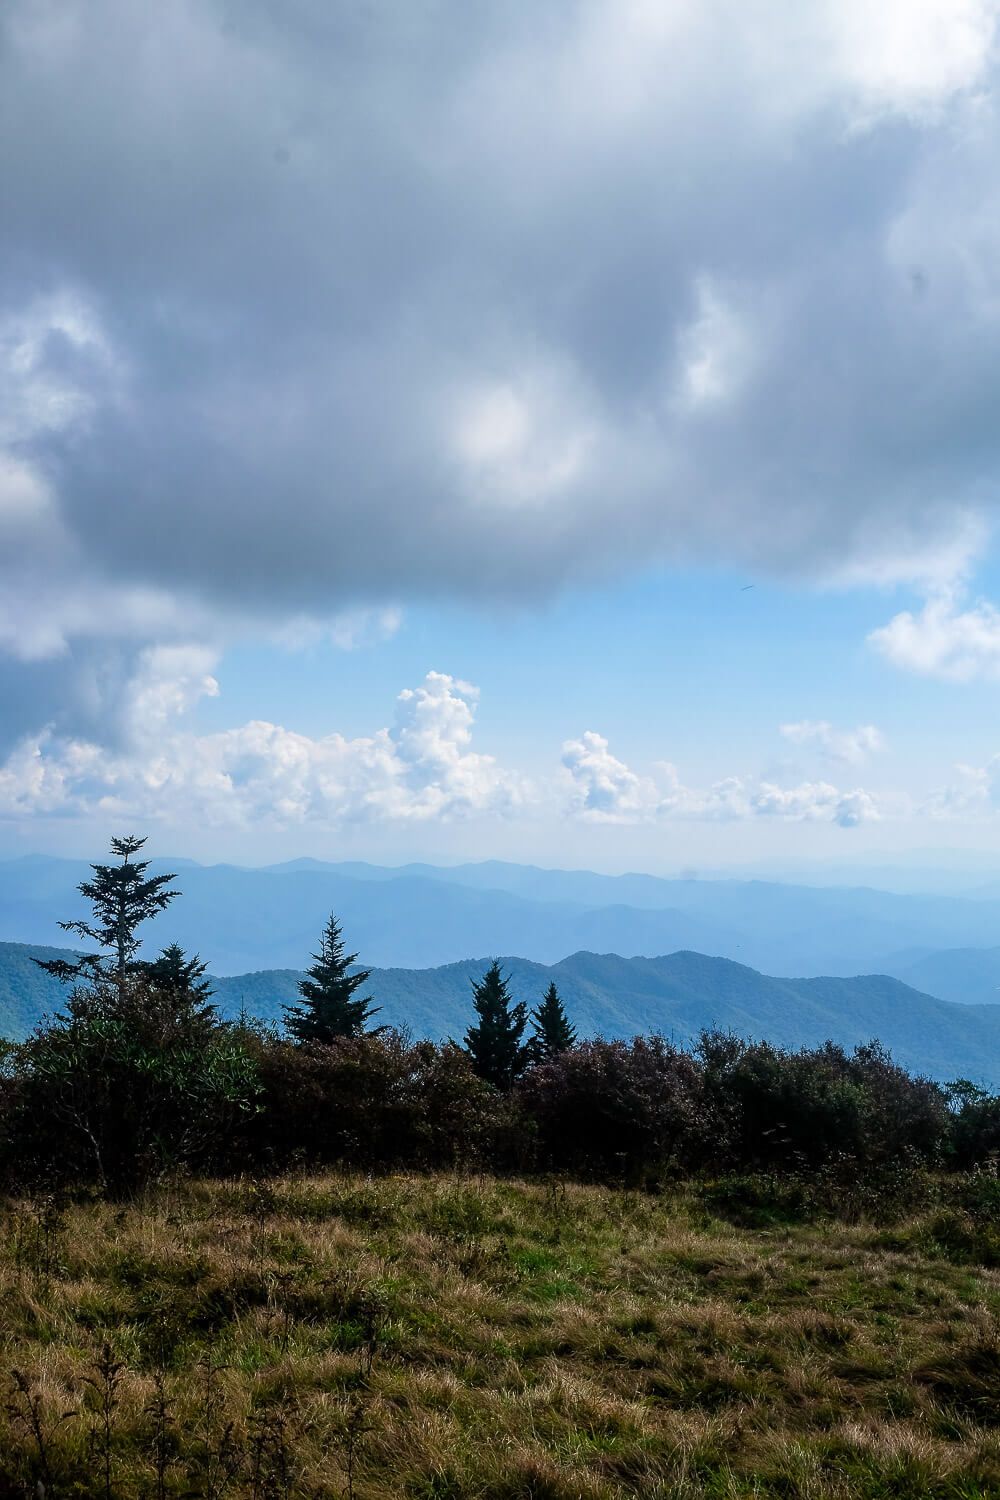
(563, 432)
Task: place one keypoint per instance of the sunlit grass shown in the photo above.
(443, 1337)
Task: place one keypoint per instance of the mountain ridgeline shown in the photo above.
(678, 995)
(420, 916)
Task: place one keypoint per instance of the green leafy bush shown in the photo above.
(124, 1087)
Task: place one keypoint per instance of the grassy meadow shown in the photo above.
(448, 1338)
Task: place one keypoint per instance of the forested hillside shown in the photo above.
(679, 995)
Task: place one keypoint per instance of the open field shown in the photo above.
(445, 1338)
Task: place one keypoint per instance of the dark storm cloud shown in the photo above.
(330, 303)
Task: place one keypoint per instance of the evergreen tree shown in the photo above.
(553, 1032)
(181, 982)
(330, 1009)
(122, 897)
(495, 1043)
(173, 970)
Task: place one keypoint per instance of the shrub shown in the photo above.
(615, 1110)
(123, 1088)
(773, 1109)
(342, 1101)
(460, 1118)
(372, 1101)
(903, 1113)
(975, 1126)
(777, 1109)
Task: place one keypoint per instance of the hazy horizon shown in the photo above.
(926, 869)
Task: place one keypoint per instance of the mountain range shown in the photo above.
(606, 995)
(928, 964)
(422, 916)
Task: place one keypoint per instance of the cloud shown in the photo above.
(348, 631)
(714, 352)
(331, 309)
(56, 367)
(908, 56)
(974, 794)
(723, 800)
(943, 640)
(422, 767)
(41, 777)
(523, 442)
(171, 680)
(815, 801)
(850, 746)
(604, 789)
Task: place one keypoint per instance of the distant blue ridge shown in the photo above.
(677, 995)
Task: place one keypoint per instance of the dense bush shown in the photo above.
(772, 1108)
(975, 1132)
(616, 1109)
(123, 1087)
(903, 1114)
(372, 1101)
(323, 1104)
(133, 1083)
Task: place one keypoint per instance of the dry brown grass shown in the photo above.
(440, 1339)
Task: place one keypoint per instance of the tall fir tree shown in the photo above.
(552, 1030)
(122, 897)
(495, 1043)
(330, 1009)
(181, 983)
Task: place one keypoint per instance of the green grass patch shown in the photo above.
(481, 1339)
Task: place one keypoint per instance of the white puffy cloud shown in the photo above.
(43, 776)
(605, 789)
(723, 800)
(171, 680)
(523, 441)
(850, 746)
(815, 801)
(714, 352)
(422, 767)
(943, 640)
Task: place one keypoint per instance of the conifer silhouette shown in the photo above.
(330, 1009)
(122, 897)
(553, 1033)
(495, 1043)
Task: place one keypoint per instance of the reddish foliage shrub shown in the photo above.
(372, 1101)
(616, 1109)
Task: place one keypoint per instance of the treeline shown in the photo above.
(139, 1076)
